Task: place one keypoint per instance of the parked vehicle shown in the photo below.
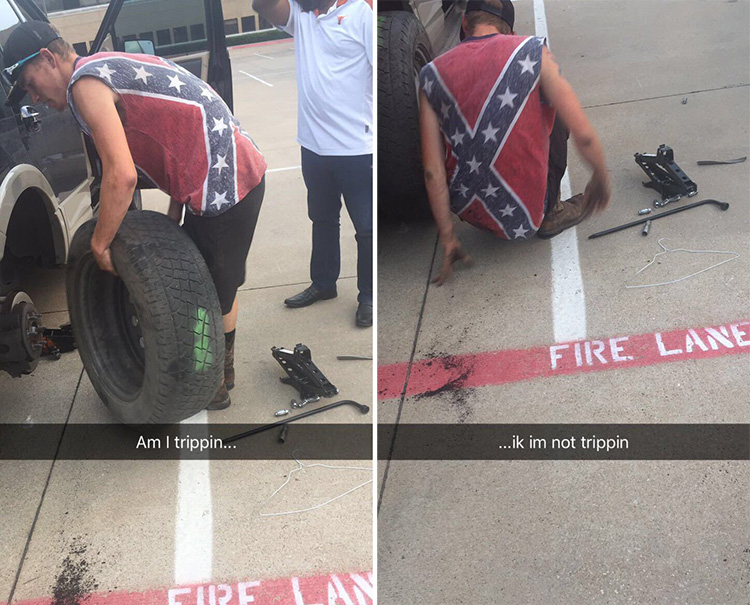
(410, 34)
(51, 177)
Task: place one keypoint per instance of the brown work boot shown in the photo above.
(562, 216)
(221, 400)
(229, 364)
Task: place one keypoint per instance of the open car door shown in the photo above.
(188, 32)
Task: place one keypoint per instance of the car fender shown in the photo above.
(19, 179)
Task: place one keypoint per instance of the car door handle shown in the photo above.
(30, 119)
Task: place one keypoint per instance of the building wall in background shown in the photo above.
(79, 20)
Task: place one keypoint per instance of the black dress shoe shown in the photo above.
(309, 296)
(363, 318)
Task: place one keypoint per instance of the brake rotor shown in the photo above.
(13, 299)
(31, 328)
(29, 332)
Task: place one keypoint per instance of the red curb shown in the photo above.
(429, 376)
(348, 589)
(266, 43)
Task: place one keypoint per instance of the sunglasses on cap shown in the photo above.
(10, 74)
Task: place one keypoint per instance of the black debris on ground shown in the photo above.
(459, 396)
(75, 582)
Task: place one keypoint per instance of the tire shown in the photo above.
(152, 339)
(403, 49)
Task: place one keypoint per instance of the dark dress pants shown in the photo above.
(328, 178)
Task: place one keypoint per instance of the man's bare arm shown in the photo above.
(436, 182)
(95, 102)
(275, 11)
(562, 97)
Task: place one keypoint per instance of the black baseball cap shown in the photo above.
(24, 43)
(505, 11)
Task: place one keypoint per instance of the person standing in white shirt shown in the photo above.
(334, 62)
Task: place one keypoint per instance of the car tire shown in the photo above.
(403, 49)
(151, 339)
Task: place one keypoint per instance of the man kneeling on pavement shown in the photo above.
(493, 151)
(148, 112)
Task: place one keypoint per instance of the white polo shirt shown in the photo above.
(334, 58)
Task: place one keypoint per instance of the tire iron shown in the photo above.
(364, 409)
(720, 205)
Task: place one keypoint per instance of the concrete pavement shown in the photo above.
(181, 532)
(593, 531)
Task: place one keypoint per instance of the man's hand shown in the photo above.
(103, 257)
(597, 193)
(436, 183)
(275, 11)
(452, 251)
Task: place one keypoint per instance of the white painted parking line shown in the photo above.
(568, 299)
(264, 56)
(284, 169)
(540, 20)
(193, 556)
(255, 78)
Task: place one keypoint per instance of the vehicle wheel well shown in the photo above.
(29, 232)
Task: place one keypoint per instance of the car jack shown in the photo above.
(302, 373)
(56, 341)
(667, 178)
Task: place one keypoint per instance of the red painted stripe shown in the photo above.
(265, 43)
(354, 588)
(429, 376)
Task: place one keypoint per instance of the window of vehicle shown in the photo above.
(10, 16)
(8, 20)
(170, 20)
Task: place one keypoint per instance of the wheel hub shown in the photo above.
(21, 340)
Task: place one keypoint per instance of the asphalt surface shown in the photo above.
(593, 531)
(174, 531)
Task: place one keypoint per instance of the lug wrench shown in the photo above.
(267, 427)
(721, 205)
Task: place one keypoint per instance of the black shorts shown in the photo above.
(224, 242)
